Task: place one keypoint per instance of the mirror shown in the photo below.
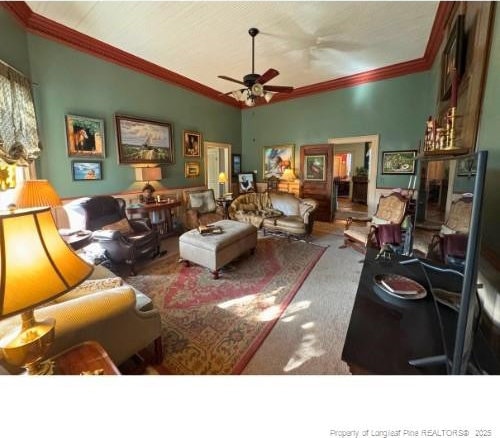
(444, 207)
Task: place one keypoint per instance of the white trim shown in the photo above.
(227, 168)
(372, 170)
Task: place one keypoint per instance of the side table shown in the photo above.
(163, 223)
(224, 203)
(85, 358)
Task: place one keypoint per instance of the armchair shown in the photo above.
(201, 208)
(123, 240)
(450, 244)
(385, 227)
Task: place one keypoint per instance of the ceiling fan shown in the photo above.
(255, 83)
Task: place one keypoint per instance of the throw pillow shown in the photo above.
(203, 201)
(122, 226)
(89, 287)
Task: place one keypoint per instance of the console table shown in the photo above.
(382, 336)
(163, 209)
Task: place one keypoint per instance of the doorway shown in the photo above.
(357, 194)
(218, 160)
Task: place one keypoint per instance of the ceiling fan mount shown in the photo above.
(254, 82)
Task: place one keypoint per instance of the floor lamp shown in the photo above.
(288, 176)
(222, 183)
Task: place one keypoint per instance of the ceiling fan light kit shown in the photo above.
(255, 83)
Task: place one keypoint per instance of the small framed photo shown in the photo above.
(191, 142)
(86, 170)
(399, 162)
(191, 169)
(143, 141)
(236, 164)
(84, 137)
(315, 168)
(246, 182)
(276, 159)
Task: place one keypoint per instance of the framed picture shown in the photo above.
(466, 167)
(276, 159)
(191, 142)
(143, 141)
(246, 182)
(236, 164)
(315, 168)
(84, 136)
(399, 162)
(452, 60)
(191, 169)
(86, 170)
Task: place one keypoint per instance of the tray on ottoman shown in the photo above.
(213, 251)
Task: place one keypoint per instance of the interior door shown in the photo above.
(316, 164)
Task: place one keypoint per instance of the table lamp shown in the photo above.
(288, 176)
(37, 193)
(36, 266)
(148, 174)
(222, 183)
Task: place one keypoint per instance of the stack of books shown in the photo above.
(209, 229)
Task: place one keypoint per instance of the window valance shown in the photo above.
(19, 143)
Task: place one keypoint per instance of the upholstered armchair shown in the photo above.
(123, 240)
(201, 208)
(450, 244)
(385, 227)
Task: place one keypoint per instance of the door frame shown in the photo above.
(227, 167)
(372, 167)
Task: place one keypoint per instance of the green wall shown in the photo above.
(72, 82)
(13, 43)
(489, 139)
(396, 109)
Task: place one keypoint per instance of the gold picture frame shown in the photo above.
(191, 169)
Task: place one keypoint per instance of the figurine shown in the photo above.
(147, 194)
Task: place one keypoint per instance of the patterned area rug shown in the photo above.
(215, 326)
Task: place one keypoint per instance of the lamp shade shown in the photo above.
(222, 178)
(36, 264)
(288, 175)
(148, 173)
(37, 193)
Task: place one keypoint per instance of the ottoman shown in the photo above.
(216, 250)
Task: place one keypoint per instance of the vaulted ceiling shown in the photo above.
(309, 43)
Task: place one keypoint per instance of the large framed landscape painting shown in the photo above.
(84, 136)
(399, 162)
(143, 141)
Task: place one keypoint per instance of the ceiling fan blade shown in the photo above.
(278, 88)
(227, 78)
(267, 76)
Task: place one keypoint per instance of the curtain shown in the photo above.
(19, 142)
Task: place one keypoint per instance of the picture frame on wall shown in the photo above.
(246, 182)
(86, 170)
(315, 168)
(84, 136)
(191, 144)
(276, 159)
(399, 162)
(466, 167)
(143, 141)
(191, 169)
(235, 164)
(452, 60)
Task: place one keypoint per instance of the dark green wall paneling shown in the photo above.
(13, 44)
(396, 109)
(489, 139)
(72, 82)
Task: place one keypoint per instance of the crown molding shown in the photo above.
(47, 28)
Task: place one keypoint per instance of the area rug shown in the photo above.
(215, 326)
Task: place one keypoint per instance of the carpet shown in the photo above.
(215, 326)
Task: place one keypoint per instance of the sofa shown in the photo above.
(275, 212)
(103, 309)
